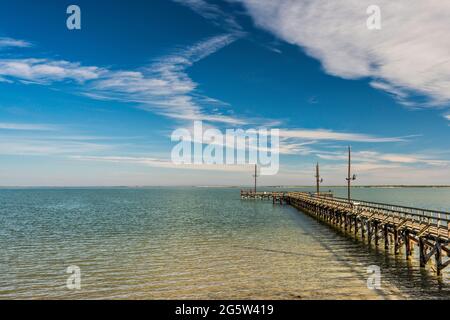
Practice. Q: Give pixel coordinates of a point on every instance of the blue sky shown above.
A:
(97, 106)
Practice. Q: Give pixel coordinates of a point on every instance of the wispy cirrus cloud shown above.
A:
(378, 158)
(408, 57)
(164, 87)
(13, 43)
(310, 141)
(213, 13)
(162, 163)
(27, 126)
(322, 134)
(44, 146)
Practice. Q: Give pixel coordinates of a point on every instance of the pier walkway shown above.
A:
(397, 227)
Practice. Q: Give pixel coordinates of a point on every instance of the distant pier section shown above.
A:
(276, 197)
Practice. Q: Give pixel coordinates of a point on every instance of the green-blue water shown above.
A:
(150, 243)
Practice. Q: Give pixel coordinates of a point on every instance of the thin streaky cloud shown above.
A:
(46, 147)
(13, 43)
(322, 134)
(373, 157)
(212, 13)
(162, 163)
(27, 126)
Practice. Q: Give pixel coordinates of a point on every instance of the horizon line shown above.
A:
(233, 186)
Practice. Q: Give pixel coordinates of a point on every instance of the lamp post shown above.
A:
(349, 178)
(255, 176)
(319, 180)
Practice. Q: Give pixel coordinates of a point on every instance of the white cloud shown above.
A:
(45, 71)
(26, 126)
(409, 55)
(13, 43)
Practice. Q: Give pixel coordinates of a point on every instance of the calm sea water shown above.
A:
(189, 243)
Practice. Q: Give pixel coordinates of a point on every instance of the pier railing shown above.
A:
(434, 219)
(421, 215)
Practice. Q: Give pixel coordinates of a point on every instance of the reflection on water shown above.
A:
(189, 243)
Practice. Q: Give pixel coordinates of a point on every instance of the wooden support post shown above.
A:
(407, 244)
(356, 226)
(422, 252)
(362, 229)
(369, 231)
(377, 238)
(396, 241)
(438, 257)
(386, 237)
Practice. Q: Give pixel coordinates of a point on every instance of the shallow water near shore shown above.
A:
(196, 243)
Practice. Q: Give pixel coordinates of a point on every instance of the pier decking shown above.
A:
(396, 226)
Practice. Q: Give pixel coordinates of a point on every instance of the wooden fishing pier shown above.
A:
(397, 227)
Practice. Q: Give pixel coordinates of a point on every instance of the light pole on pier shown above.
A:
(349, 178)
(255, 175)
(319, 180)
